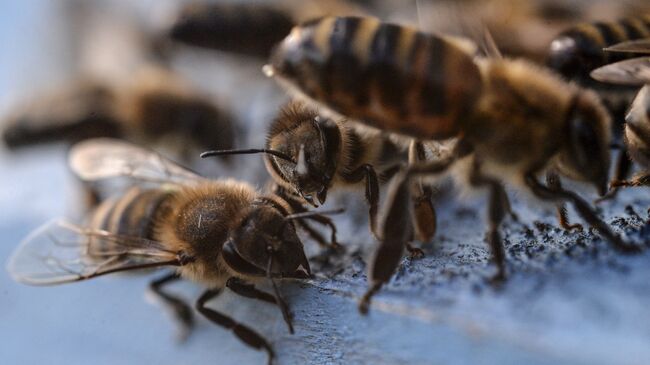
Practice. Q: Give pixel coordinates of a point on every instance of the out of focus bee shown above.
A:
(155, 106)
(520, 28)
(634, 72)
(214, 232)
(513, 120)
(248, 28)
(309, 154)
(579, 50)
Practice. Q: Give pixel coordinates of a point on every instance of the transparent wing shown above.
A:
(104, 158)
(636, 46)
(61, 252)
(629, 72)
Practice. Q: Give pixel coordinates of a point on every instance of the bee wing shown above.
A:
(104, 158)
(61, 252)
(636, 46)
(629, 72)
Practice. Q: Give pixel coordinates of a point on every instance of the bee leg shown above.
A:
(245, 334)
(250, 291)
(423, 210)
(182, 311)
(372, 191)
(554, 183)
(297, 207)
(582, 208)
(326, 221)
(396, 231)
(496, 212)
(623, 166)
(638, 180)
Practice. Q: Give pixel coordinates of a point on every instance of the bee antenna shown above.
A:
(276, 293)
(248, 152)
(313, 213)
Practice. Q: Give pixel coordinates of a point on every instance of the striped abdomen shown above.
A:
(132, 214)
(388, 76)
(579, 50)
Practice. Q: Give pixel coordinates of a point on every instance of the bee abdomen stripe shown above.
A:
(341, 72)
(384, 69)
(433, 96)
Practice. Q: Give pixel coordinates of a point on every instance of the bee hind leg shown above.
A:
(245, 334)
(396, 231)
(181, 310)
(583, 208)
(496, 212)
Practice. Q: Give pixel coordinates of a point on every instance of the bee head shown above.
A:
(312, 142)
(585, 155)
(265, 238)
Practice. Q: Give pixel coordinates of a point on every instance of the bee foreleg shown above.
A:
(622, 170)
(372, 191)
(248, 290)
(638, 180)
(297, 207)
(182, 311)
(582, 208)
(496, 212)
(396, 231)
(554, 183)
(245, 334)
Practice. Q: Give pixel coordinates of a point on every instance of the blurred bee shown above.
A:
(248, 28)
(310, 155)
(634, 72)
(214, 232)
(155, 106)
(579, 50)
(513, 120)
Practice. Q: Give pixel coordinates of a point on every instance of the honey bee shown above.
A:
(155, 105)
(214, 232)
(513, 120)
(579, 50)
(309, 154)
(634, 72)
(248, 29)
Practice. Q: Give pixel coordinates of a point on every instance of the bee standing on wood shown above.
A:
(514, 120)
(214, 232)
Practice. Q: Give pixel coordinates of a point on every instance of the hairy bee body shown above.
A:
(195, 220)
(579, 50)
(391, 77)
(429, 88)
(513, 120)
(346, 149)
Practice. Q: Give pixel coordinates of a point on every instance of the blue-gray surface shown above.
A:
(570, 299)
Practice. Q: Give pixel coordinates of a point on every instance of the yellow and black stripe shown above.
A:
(390, 76)
(579, 50)
(133, 214)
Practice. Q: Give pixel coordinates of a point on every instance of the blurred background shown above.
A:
(570, 300)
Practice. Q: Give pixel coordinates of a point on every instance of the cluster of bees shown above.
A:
(373, 103)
